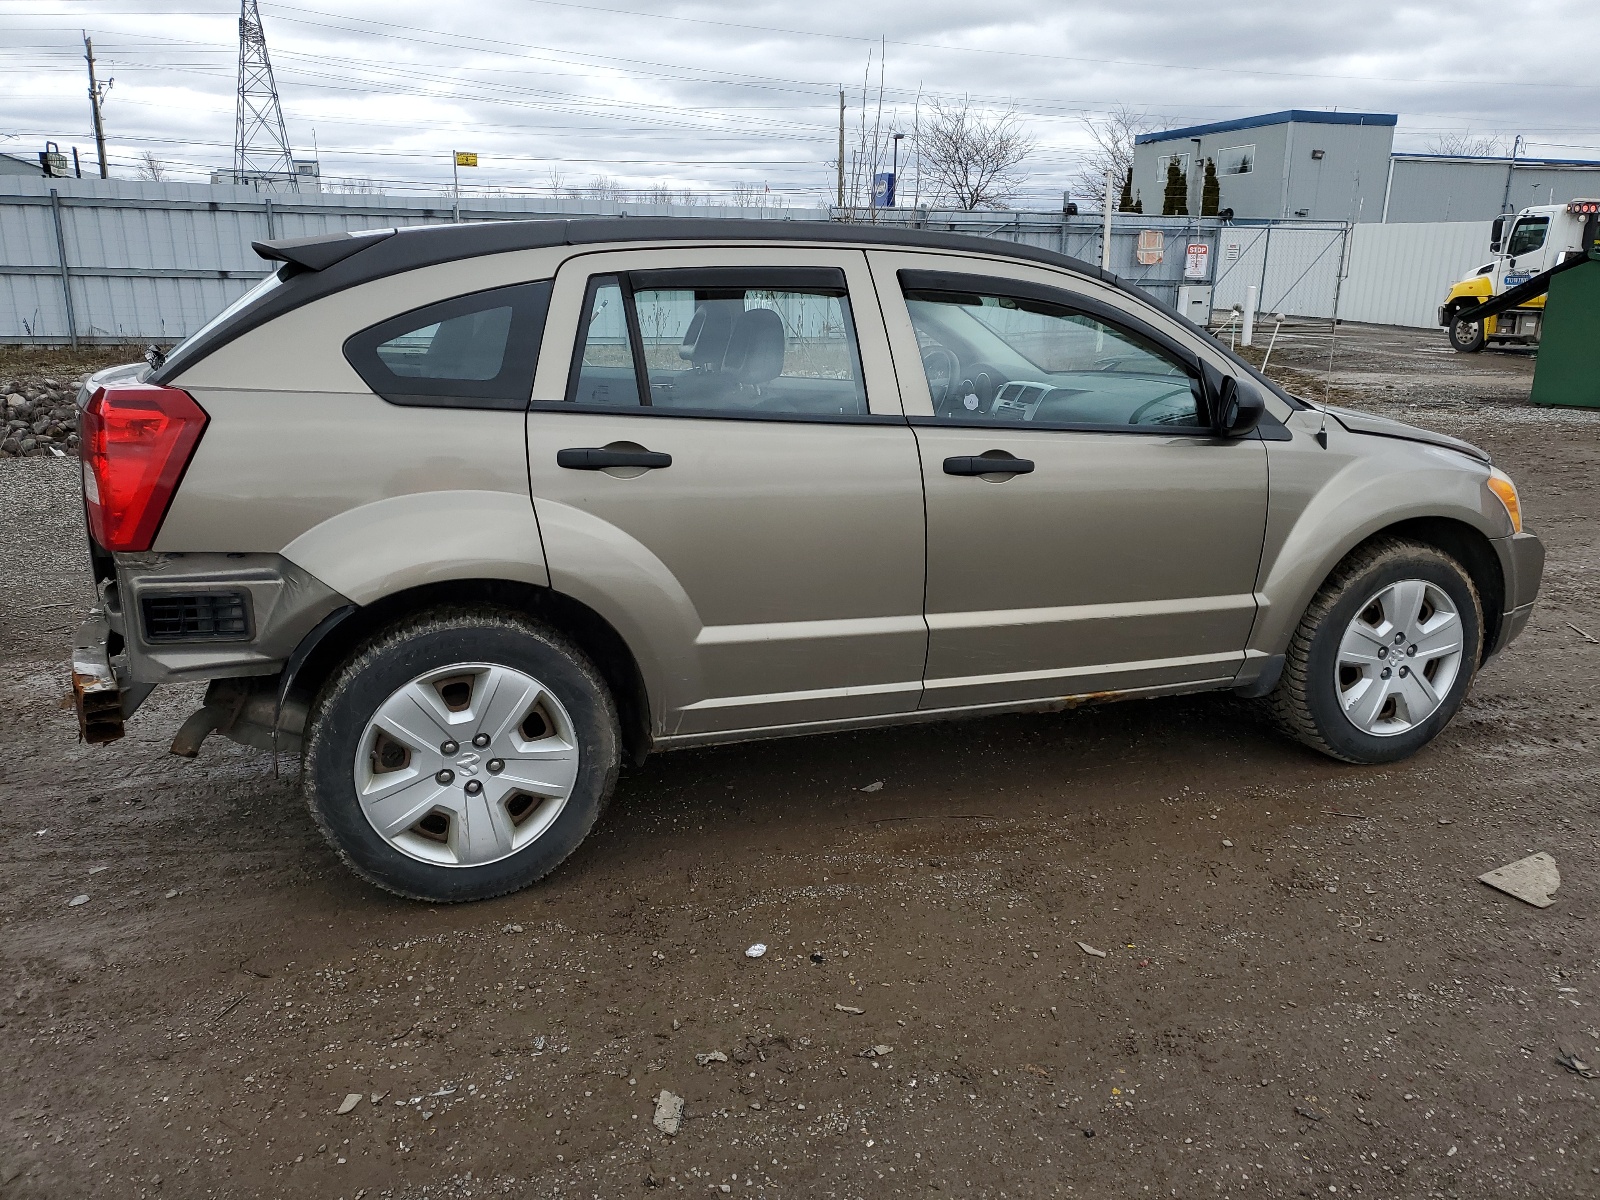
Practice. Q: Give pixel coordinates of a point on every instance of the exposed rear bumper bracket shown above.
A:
(96, 694)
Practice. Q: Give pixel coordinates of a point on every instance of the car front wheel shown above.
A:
(1384, 655)
(461, 755)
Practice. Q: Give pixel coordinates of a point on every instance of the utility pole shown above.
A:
(1511, 168)
(1105, 224)
(840, 148)
(97, 93)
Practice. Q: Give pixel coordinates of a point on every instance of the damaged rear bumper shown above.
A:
(96, 693)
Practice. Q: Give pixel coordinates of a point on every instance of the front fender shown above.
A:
(1468, 292)
(1326, 502)
(387, 546)
(1476, 289)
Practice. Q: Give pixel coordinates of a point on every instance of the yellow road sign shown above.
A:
(466, 158)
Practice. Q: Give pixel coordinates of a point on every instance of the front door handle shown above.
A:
(977, 464)
(598, 458)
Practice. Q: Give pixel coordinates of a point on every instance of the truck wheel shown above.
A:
(1384, 655)
(1466, 336)
(460, 755)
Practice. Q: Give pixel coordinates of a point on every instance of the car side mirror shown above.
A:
(1496, 231)
(1239, 408)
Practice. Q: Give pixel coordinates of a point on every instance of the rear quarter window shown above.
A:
(479, 350)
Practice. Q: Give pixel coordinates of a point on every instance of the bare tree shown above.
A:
(151, 167)
(352, 185)
(1112, 150)
(555, 179)
(867, 155)
(972, 159)
(601, 187)
(1466, 145)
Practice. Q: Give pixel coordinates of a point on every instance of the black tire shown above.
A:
(1306, 702)
(388, 662)
(1466, 336)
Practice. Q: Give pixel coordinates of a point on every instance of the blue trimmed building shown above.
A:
(1321, 166)
(1341, 166)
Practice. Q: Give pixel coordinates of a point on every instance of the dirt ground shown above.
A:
(1305, 991)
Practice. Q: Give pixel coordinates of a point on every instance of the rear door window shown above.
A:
(606, 370)
(472, 351)
(764, 342)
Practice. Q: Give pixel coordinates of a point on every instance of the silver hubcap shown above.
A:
(1399, 658)
(466, 765)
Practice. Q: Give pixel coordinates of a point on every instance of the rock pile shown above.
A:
(41, 417)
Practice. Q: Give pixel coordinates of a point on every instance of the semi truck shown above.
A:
(1523, 246)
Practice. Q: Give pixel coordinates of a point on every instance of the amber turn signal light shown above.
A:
(1500, 484)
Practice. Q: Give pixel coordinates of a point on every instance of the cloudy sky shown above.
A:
(715, 95)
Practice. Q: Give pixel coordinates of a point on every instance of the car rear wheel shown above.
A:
(1384, 655)
(1466, 336)
(461, 755)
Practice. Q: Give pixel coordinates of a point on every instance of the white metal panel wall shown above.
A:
(1400, 274)
(157, 260)
(1394, 274)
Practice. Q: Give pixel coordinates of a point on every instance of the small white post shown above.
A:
(1105, 228)
(1249, 316)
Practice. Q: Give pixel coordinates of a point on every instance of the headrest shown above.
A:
(705, 342)
(755, 352)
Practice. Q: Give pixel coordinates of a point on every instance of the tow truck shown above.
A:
(1538, 239)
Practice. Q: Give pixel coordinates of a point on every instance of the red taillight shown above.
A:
(135, 442)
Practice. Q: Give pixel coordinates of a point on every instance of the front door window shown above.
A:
(1528, 236)
(1008, 361)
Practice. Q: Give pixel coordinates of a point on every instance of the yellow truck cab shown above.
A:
(1538, 238)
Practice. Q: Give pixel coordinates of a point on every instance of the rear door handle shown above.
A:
(974, 464)
(597, 458)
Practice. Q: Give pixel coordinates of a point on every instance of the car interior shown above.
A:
(741, 350)
(995, 360)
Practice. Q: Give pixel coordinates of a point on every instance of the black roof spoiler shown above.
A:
(320, 252)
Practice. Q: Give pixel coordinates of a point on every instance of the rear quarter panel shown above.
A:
(301, 458)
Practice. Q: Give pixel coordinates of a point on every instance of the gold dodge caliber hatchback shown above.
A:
(467, 515)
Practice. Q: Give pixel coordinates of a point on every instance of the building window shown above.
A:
(1236, 160)
(1162, 163)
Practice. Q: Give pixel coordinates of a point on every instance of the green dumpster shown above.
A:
(1568, 372)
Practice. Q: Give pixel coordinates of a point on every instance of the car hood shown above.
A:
(1360, 422)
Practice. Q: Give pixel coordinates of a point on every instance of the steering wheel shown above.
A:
(941, 367)
(981, 380)
(1149, 404)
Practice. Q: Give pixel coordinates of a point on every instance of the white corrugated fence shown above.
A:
(124, 261)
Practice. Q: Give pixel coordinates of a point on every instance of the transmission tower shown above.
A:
(261, 152)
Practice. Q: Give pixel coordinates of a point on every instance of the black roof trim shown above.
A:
(320, 266)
